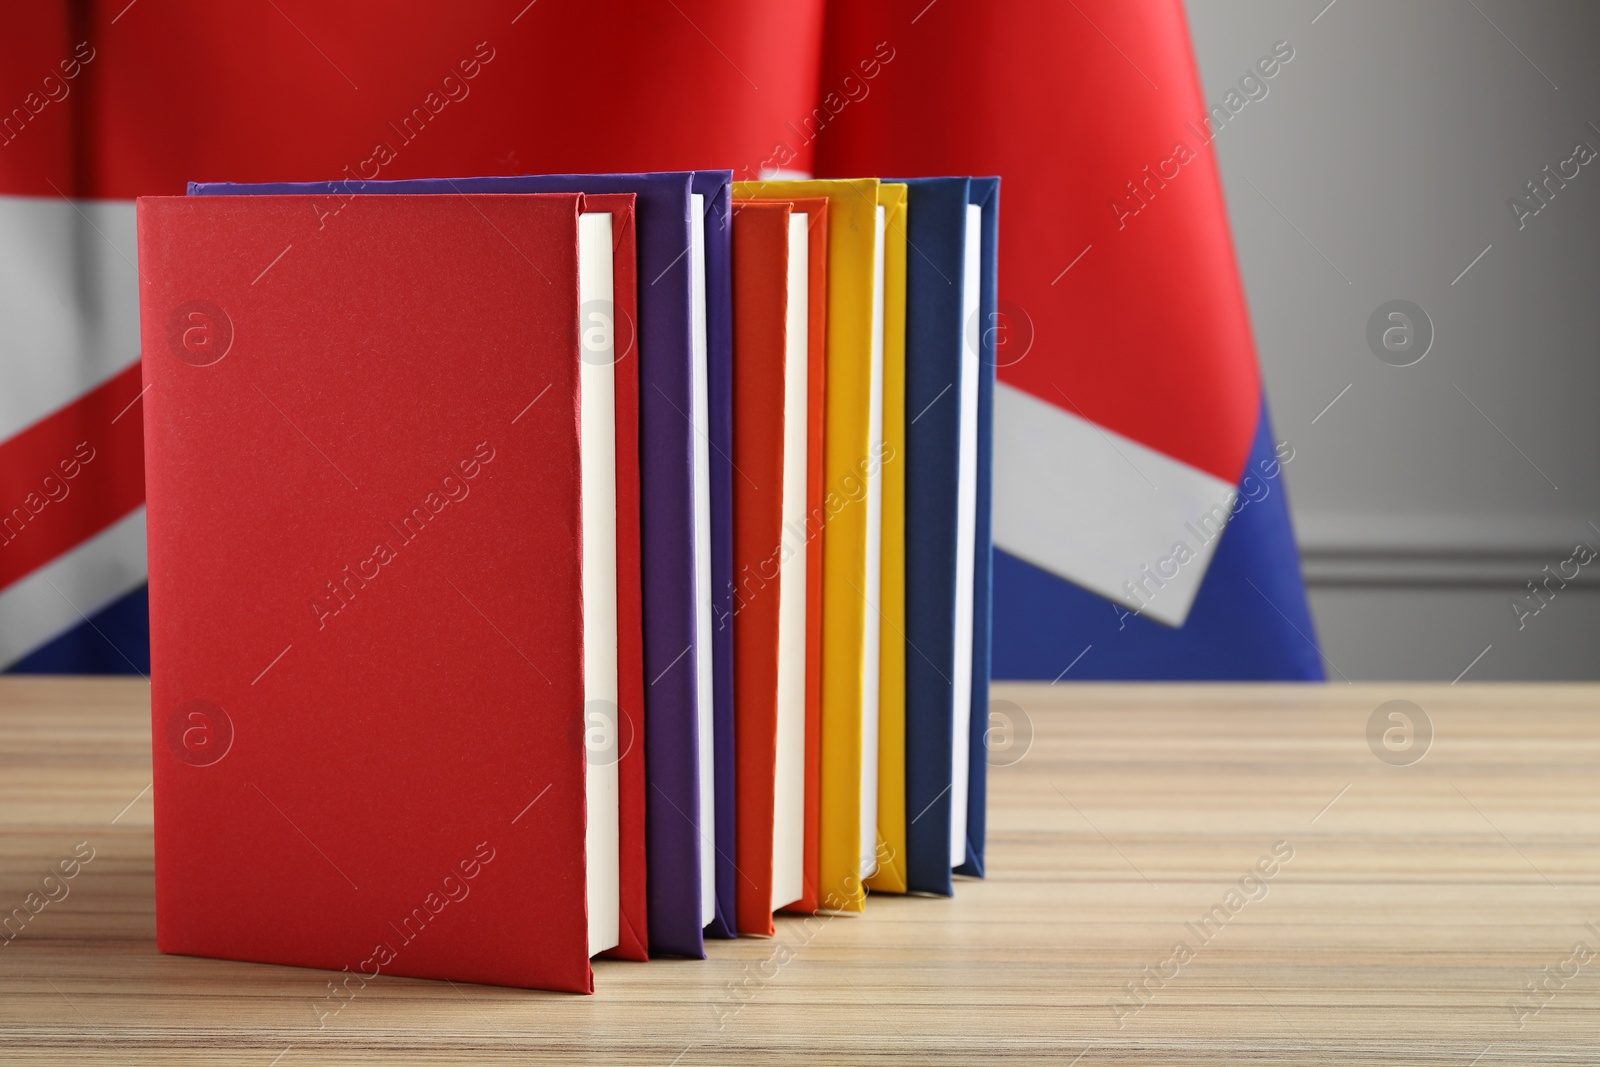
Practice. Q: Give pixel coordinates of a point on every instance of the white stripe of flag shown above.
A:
(1102, 510)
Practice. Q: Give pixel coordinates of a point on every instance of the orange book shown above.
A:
(816, 211)
(760, 340)
(780, 291)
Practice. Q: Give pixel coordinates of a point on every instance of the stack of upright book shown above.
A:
(544, 568)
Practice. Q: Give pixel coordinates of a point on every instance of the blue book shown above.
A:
(673, 336)
(950, 288)
(983, 194)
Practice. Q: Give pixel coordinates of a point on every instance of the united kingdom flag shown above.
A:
(1140, 515)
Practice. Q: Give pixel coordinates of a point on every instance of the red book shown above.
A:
(616, 337)
(366, 484)
(780, 301)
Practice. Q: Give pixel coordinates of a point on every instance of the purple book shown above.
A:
(665, 227)
(716, 186)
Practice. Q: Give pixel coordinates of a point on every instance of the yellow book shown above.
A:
(891, 830)
(849, 470)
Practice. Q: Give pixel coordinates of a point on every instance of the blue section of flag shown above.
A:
(1249, 622)
(116, 640)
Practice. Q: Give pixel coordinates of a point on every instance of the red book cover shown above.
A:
(364, 516)
(760, 297)
(628, 742)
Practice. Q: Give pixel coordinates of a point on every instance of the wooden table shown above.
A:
(1419, 902)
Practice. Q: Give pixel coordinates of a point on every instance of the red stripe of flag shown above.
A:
(70, 475)
(301, 90)
(41, 110)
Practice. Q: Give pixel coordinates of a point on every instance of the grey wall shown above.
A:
(1378, 167)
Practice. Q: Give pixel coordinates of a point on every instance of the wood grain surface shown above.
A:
(1409, 908)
